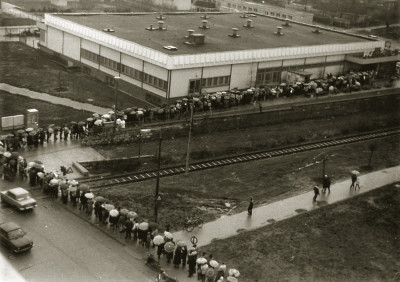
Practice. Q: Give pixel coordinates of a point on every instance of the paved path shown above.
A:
(228, 226)
(53, 99)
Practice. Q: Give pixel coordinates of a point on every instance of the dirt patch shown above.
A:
(338, 242)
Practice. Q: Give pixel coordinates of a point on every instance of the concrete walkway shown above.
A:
(228, 226)
(53, 99)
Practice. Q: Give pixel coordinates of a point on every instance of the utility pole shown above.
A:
(140, 141)
(189, 137)
(158, 179)
(323, 166)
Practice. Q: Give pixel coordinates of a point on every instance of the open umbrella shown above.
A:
(84, 188)
(123, 211)
(144, 226)
(231, 279)
(32, 133)
(72, 188)
(81, 123)
(153, 225)
(355, 172)
(168, 234)
(106, 116)
(89, 119)
(21, 131)
(201, 261)
(89, 195)
(98, 122)
(63, 186)
(158, 240)
(54, 181)
(213, 263)
(181, 244)
(169, 247)
(108, 207)
(7, 154)
(100, 199)
(210, 272)
(73, 182)
(132, 214)
(234, 272)
(14, 155)
(114, 213)
(40, 174)
(29, 129)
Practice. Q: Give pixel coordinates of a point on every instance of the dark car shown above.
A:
(13, 237)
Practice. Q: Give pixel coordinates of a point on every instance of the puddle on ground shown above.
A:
(322, 203)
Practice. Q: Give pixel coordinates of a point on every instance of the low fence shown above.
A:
(16, 30)
(115, 165)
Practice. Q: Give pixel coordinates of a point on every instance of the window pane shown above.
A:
(221, 80)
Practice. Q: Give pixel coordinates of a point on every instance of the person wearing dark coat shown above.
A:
(316, 193)
(177, 257)
(160, 250)
(128, 228)
(192, 262)
(184, 256)
(326, 184)
(250, 208)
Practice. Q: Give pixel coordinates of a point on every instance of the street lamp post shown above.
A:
(189, 137)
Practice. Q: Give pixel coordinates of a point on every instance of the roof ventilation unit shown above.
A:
(244, 15)
(316, 30)
(196, 39)
(279, 31)
(205, 25)
(205, 16)
(234, 33)
(161, 25)
(161, 17)
(108, 30)
(249, 23)
(190, 33)
(151, 28)
(287, 23)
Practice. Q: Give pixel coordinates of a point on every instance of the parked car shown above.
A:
(13, 237)
(18, 198)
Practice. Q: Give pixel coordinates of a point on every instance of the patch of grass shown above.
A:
(6, 20)
(354, 240)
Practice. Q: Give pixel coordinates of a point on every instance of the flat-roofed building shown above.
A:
(162, 57)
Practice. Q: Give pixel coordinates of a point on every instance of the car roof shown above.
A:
(9, 226)
(18, 191)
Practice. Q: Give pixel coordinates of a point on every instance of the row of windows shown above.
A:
(195, 84)
(131, 72)
(250, 9)
(272, 77)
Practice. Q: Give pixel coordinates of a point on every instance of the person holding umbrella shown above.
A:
(184, 255)
(128, 228)
(169, 250)
(192, 262)
(354, 177)
(177, 257)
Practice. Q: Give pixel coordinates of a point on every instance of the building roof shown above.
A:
(132, 27)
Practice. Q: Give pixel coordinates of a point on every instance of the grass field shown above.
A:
(6, 20)
(354, 240)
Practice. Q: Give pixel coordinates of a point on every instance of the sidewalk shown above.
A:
(228, 226)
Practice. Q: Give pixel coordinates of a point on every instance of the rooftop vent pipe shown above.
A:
(161, 25)
(244, 15)
(234, 33)
(205, 16)
(205, 25)
(151, 28)
(190, 33)
(160, 17)
(249, 23)
(279, 31)
(287, 22)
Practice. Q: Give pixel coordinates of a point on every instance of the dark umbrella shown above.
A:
(21, 131)
(57, 127)
(63, 186)
(14, 155)
(32, 133)
(84, 188)
(169, 247)
(153, 225)
(81, 123)
(100, 199)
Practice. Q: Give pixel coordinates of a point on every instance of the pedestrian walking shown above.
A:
(353, 180)
(316, 193)
(177, 257)
(326, 184)
(250, 208)
(184, 256)
(160, 250)
(192, 262)
(357, 184)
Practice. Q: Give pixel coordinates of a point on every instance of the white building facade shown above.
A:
(160, 77)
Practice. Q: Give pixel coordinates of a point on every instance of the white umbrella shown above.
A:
(355, 172)
(158, 240)
(201, 261)
(89, 195)
(54, 181)
(144, 226)
(168, 234)
(7, 154)
(114, 213)
(234, 272)
(73, 182)
(29, 129)
(231, 279)
(98, 122)
(214, 263)
(106, 116)
(108, 207)
(40, 174)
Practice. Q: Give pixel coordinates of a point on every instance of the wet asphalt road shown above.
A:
(68, 248)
